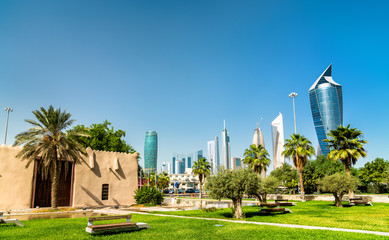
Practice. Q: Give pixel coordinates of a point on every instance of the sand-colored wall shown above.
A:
(15, 180)
(100, 168)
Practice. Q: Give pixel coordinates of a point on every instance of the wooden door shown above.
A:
(42, 195)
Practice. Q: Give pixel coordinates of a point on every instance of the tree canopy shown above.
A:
(233, 184)
(338, 184)
(102, 136)
(375, 172)
(48, 143)
(319, 168)
(286, 174)
(257, 158)
(201, 168)
(346, 145)
(299, 149)
(266, 186)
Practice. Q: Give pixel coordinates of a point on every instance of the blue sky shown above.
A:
(182, 67)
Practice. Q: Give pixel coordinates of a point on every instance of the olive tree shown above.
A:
(338, 184)
(266, 186)
(233, 184)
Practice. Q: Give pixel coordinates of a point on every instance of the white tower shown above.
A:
(213, 154)
(258, 140)
(226, 149)
(277, 128)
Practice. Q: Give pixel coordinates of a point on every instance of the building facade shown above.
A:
(277, 128)
(185, 181)
(151, 151)
(236, 163)
(326, 100)
(226, 149)
(102, 179)
(213, 154)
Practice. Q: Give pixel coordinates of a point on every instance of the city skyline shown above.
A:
(182, 68)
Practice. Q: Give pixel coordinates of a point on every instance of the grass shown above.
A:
(312, 213)
(167, 228)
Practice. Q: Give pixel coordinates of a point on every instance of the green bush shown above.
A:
(148, 195)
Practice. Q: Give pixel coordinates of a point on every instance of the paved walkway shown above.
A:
(118, 211)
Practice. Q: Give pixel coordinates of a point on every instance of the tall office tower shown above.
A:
(326, 100)
(174, 159)
(213, 154)
(277, 129)
(189, 158)
(258, 140)
(236, 163)
(182, 165)
(226, 149)
(198, 155)
(151, 150)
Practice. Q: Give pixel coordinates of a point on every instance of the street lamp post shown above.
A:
(7, 109)
(293, 95)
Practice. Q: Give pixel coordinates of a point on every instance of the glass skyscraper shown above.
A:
(151, 150)
(326, 100)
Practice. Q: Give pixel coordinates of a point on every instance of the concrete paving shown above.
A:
(119, 211)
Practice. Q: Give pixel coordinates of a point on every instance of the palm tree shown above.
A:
(299, 148)
(201, 168)
(346, 145)
(163, 180)
(257, 158)
(48, 144)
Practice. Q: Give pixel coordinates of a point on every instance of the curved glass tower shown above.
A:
(151, 149)
(326, 100)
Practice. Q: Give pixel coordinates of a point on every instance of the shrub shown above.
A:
(148, 195)
(211, 209)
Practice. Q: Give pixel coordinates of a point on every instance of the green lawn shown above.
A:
(167, 228)
(313, 213)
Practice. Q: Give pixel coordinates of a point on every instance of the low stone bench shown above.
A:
(91, 228)
(14, 221)
(272, 208)
(284, 202)
(359, 201)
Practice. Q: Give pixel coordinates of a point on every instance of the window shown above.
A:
(104, 192)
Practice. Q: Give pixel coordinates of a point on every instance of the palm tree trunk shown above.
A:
(54, 187)
(348, 172)
(301, 184)
(201, 192)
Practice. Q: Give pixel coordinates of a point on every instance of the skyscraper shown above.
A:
(182, 165)
(174, 165)
(258, 140)
(326, 100)
(277, 129)
(226, 149)
(151, 150)
(213, 154)
(236, 163)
